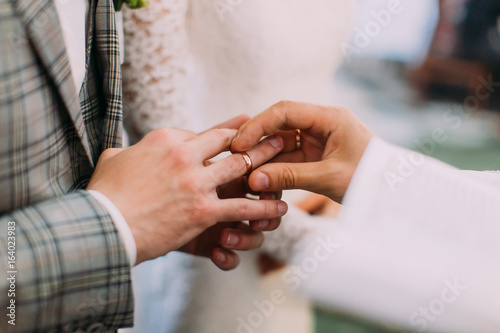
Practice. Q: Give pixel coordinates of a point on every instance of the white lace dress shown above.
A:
(193, 64)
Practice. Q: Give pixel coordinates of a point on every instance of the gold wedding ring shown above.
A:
(248, 161)
(298, 140)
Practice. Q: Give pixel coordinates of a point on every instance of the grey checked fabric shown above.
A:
(72, 269)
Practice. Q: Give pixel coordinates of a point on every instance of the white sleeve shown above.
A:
(155, 72)
(120, 223)
(417, 246)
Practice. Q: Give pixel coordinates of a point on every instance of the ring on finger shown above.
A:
(298, 140)
(248, 161)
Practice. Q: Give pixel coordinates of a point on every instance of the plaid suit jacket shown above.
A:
(72, 271)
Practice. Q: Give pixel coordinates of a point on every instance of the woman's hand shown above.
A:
(333, 141)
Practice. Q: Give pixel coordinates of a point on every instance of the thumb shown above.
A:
(316, 177)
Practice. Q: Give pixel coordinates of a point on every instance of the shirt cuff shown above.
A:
(120, 223)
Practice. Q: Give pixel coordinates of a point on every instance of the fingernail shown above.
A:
(263, 224)
(282, 208)
(276, 141)
(221, 257)
(237, 137)
(261, 181)
(232, 239)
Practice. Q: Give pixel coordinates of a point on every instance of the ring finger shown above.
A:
(234, 166)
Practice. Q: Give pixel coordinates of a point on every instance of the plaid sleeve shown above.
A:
(72, 270)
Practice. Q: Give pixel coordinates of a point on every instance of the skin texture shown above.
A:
(333, 142)
(173, 199)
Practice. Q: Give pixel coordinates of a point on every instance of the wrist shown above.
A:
(121, 225)
(141, 253)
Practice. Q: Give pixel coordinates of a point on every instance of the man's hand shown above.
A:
(220, 241)
(333, 141)
(168, 194)
(240, 188)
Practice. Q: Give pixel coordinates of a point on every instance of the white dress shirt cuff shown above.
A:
(120, 223)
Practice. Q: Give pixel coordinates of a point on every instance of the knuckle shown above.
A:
(202, 209)
(278, 111)
(288, 178)
(225, 134)
(244, 116)
(159, 136)
(189, 134)
(190, 184)
(281, 105)
(339, 110)
(342, 109)
(180, 155)
(244, 209)
(267, 209)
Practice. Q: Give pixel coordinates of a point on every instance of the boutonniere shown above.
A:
(133, 4)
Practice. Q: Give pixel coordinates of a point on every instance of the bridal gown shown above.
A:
(194, 64)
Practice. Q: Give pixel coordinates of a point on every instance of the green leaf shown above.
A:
(132, 4)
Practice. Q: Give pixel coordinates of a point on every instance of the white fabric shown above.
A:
(262, 52)
(72, 16)
(401, 244)
(190, 64)
(120, 223)
(155, 74)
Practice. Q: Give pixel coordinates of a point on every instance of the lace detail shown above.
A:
(155, 75)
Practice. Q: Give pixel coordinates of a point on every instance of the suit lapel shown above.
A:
(44, 31)
(108, 49)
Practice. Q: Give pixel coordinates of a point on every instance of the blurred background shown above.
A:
(434, 65)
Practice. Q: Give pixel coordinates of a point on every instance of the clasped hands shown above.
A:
(173, 199)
